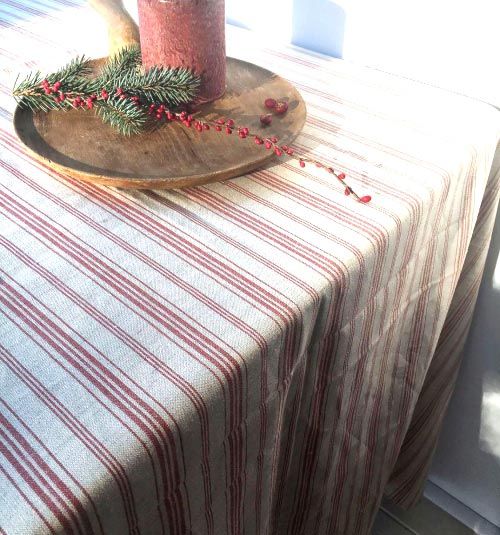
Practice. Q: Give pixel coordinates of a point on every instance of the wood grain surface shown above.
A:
(78, 143)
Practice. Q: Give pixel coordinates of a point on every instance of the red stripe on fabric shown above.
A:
(234, 423)
(67, 502)
(303, 222)
(24, 468)
(237, 214)
(235, 418)
(311, 442)
(462, 310)
(88, 259)
(282, 452)
(334, 516)
(236, 276)
(118, 393)
(458, 264)
(80, 431)
(53, 459)
(234, 243)
(26, 8)
(378, 271)
(140, 350)
(15, 484)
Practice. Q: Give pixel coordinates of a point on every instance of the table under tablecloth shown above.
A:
(259, 356)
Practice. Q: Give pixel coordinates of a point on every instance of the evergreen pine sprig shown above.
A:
(122, 114)
(126, 59)
(170, 86)
(119, 93)
(32, 93)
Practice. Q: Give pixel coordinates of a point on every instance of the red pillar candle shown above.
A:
(186, 33)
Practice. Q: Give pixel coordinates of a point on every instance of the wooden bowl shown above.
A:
(78, 143)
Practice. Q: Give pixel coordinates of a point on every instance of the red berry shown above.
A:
(199, 127)
(258, 141)
(119, 91)
(280, 107)
(341, 176)
(90, 104)
(57, 99)
(158, 115)
(290, 151)
(123, 96)
(45, 83)
(284, 147)
(228, 130)
(230, 122)
(218, 128)
(221, 121)
(270, 103)
(48, 91)
(62, 96)
(347, 191)
(206, 126)
(266, 119)
(302, 163)
(277, 151)
(242, 134)
(104, 94)
(366, 199)
(274, 140)
(245, 130)
(268, 144)
(170, 116)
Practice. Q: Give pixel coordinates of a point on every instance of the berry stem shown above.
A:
(270, 143)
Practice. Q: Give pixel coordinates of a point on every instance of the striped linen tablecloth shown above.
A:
(260, 356)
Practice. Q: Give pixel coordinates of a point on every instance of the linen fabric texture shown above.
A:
(259, 356)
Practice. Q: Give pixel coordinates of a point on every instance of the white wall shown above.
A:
(447, 43)
(454, 45)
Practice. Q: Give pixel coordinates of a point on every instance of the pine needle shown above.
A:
(110, 92)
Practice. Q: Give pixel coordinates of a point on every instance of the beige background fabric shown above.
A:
(254, 356)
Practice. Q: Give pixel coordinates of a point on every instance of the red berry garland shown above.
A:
(270, 143)
(281, 107)
(266, 119)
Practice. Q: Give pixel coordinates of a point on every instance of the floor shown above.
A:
(424, 519)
